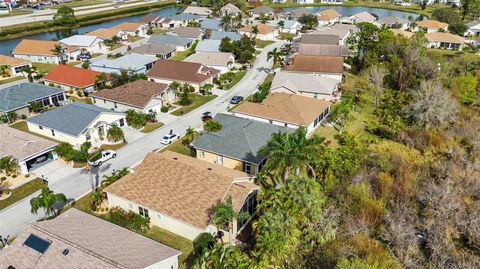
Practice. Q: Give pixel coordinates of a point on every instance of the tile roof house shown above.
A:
(79, 240)
(76, 123)
(71, 78)
(218, 60)
(288, 110)
(237, 143)
(41, 51)
(350, 27)
(161, 51)
(329, 66)
(167, 71)
(183, 19)
(24, 147)
(473, 28)
(230, 9)
(181, 43)
(265, 31)
(394, 22)
(362, 17)
(201, 11)
(218, 35)
(17, 98)
(444, 40)
(309, 85)
(328, 16)
(107, 33)
(188, 32)
(318, 39)
(211, 24)
(132, 62)
(186, 189)
(321, 50)
(289, 26)
(140, 95)
(208, 45)
(431, 26)
(132, 28)
(14, 65)
(88, 43)
(401, 32)
(295, 13)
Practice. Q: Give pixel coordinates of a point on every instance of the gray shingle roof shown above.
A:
(18, 96)
(220, 35)
(170, 40)
(208, 45)
(392, 20)
(153, 49)
(71, 119)
(211, 24)
(473, 23)
(185, 17)
(239, 138)
(133, 62)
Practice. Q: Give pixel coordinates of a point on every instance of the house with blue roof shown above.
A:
(76, 123)
(211, 24)
(134, 62)
(183, 19)
(208, 45)
(289, 26)
(18, 98)
(179, 42)
(218, 35)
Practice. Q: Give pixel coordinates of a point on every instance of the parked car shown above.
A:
(102, 157)
(84, 56)
(206, 116)
(169, 138)
(236, 99)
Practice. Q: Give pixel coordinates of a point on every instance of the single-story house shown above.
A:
(328, 17)
(358, 18)
(181, 43)
(17, 98)
(76, 123)
(218, 60)
(185, 192)
(350, 27)
(403, 33)
(107, 33)
(41, 51)
(261, 10)
(230, 9)
(218, 35)
(168, 71)
(71, 78)
(289, 26)
(342, 34)
(85, 43)
(308, 85)
(183, 19)
(168, 23)
(188, 32)
(394, 22)
(321, 50)
(132, 28)
(29, 150)
(150, 20)
(211, 24)
(76, 239)
(333, 2)
(133, 62)
(237, 144)
(140, 95)
(430, 26)
(288, 110)
(208, 45)
(14, 65)
(265, 31)
(444, 40)
(328, 66)
(161, 51)
(325, 39)
(473, 28)
(303, 2)
(201, 11)
(295, 13)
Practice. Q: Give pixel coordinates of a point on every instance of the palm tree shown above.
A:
(276, 55)
(4, 71)
(238, 20)
(46, 200)
(36, 106)
(115, 39)
(29, 70)
(281, 24)
(175, 86)
(226, 22)
(9, 165)
(115, 133)
(206, 89)
(100, 79)
(224, 214)
(255, 31)
(190, 134)
(58, 50)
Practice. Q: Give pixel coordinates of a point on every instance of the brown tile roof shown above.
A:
(328, 14)
(127, 26)
(72, 76)
(284, 107)
(104, 33)
(11, 61)
(181, 71)
(35, 47)
(316, 64)
(444, 37)
(91, 243)
(322, 50)
(21, 145)
(182, 187)
(433, 24)
(137, 93)
(262, 28)
(401, 32)
(320, 39)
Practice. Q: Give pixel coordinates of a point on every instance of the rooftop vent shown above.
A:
(175, 158)
(65, 252)
(210, 169)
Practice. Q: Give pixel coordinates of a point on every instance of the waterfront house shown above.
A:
(230, 9)
(359, 17)
(85, 43)
(71, 78)
(328, 17)
(217, 60)
(430, 26)
(394, 22)
(295, 13)
(161, 51)
(261, 10)
(183, 19)
(150, 20)
(107, 33)
(305, 84)
(132, 28)
(444, 40)
(42, 51)
(219, 35)
(473, 28)
(133, 62)
(265, 31)
(201, 11)
(14, 65)
(180, 43)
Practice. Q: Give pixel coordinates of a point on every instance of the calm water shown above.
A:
(7, 46)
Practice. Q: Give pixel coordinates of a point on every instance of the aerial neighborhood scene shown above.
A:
(162, 134)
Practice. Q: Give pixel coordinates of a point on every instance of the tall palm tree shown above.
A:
(276, 55)
(29, 70)
(115, 133)
(226, 22)
(58, 50)
(281, 24)
(36, 106)
(254, 31)
(9, 165)
(224, 214)
(190, 134)
(175, 86)
(46, 200)
(99, 80)
(238, 20)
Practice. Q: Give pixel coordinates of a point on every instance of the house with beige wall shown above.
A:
(184, 193)
(14, 65)
(305, 84)
(237, 144)
(76, 123)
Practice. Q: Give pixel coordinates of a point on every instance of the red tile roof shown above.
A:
(72, 76)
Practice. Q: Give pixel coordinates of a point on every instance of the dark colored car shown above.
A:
(206, 116)
(84, 56)
(236, 99)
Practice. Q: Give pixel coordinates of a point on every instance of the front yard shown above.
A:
(150, 127)
(236, 78)
(12, 79)
(197, 101)
(22, 192)
(263, 43)
(180, 147)
(44, 68)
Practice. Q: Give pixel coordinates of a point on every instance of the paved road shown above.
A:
(74, 183)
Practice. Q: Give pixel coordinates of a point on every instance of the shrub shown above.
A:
(201, 242)
(51, 84)
(164, 109)
(23, 117)
(129, 220)
(212, 126)
(3, 178)
(136, 119)
(115, 133)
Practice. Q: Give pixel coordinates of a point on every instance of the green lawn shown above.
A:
(160, 31)
(150, 127)
(22, 192)
(44, 67)
(198, 100)
(73, 63)
(179, 147)
(22, 126)
(238, 76)
(116, 46)
(135, 38)
(96, 54)
(86, 100)
(82, 3)
(286, 36)
(16, 12)
(113, 147)
(12, 79)
(181, 55)
(263, 43)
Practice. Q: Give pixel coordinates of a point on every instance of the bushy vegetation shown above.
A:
(129, 220)
(261, 94)
(138, 120)
(69, 154)
(212, 126)
(242, 49)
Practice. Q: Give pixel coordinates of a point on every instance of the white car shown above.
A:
(103, 157)
(167, 139)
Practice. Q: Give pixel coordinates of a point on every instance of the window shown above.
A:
(285, 124)
(121, 122)
(219, 159)
(270, 121)
(104, 101)
(143, 212)
(60, 97)
(115, 104)
(202, 154)
(159, 217)
(247, 168)
(40, 127)
(53, 132)
(315, 95)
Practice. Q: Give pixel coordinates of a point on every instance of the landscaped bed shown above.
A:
(22, 192)
(197, 101)
(180, 147)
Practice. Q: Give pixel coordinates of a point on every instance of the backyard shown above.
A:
(197, 101)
